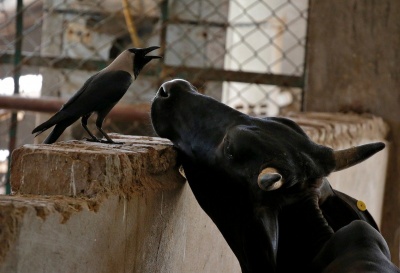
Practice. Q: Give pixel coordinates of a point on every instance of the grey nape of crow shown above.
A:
(98, 94)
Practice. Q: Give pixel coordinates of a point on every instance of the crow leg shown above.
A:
(84, 122)
(99, 124)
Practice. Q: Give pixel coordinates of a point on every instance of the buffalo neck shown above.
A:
(303, 231)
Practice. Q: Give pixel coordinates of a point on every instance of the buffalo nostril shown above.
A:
(162, 92)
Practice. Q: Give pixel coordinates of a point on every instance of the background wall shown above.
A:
(353, 65)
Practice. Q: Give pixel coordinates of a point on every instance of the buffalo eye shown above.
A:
(228, 149)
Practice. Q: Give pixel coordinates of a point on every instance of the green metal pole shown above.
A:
(17, 73)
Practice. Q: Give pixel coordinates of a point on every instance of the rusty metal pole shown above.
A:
(17, 73)
(121, 112)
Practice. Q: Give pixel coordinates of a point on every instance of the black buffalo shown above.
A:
(262, 181)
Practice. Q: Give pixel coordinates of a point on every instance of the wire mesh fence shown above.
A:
(247, 53)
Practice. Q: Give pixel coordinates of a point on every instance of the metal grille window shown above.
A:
(247, 53)
(265, 37)
(66, 40)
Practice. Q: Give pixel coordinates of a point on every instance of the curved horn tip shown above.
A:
(352, 156)
(379, 146)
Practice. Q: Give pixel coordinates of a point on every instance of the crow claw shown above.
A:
(91, 139)
(110, 142)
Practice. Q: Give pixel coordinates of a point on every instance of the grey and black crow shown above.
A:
(99, 94)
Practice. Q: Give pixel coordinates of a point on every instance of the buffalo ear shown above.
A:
(289, 123)
(352, 156)
(269, 179)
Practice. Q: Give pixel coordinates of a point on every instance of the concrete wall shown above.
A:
(90, 207)
(162, 231)
(353, 65)
(87, 207)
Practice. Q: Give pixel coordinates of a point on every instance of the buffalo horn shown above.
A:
(269, 179)
(352, 156)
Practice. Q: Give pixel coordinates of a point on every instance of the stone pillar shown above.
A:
(353, 65)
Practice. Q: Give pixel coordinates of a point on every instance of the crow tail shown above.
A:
(59, 117)
(46, 125)
(58, 129)
(56, 133)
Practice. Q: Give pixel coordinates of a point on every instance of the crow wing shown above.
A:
(62, 115)
(101, 91)
(105, 90)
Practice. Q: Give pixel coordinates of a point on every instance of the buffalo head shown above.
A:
(243, 169)
(268, 153)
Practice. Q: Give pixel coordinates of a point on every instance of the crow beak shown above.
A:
(140, 59)
(150, 49)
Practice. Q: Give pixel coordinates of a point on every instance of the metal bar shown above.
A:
(212, 74)
(17, 72)
(204, 74)
(121, 112)
(198, 23)
(56, 62)
(305, 62)
(163, 36)
(67, 63)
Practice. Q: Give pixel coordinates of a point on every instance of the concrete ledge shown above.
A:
(339, 131)
(81, 168)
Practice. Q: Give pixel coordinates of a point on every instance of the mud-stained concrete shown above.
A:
(162, 231)
(89, 207)
(80, 168)
(10, 223)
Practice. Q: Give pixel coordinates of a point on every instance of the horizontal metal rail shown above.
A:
(120, 112)
(54, 62)
(212, 74)
(189, 73)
